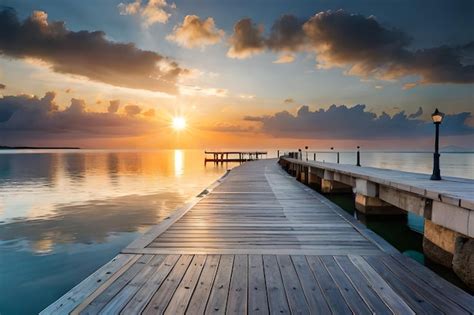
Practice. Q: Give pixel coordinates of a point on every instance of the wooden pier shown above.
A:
(259, 242)
(233, 156)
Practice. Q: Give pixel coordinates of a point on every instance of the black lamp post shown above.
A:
(306, 148)
(437, 118)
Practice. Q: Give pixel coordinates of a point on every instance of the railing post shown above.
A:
(358, 156)
(315, 156)
(337, 157)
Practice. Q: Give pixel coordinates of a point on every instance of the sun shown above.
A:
(178, 123)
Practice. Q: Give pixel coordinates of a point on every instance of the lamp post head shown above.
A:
(306, 147)
(332, 148)
(358, 147)
(437, 116)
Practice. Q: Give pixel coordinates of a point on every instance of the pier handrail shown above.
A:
(453, 196)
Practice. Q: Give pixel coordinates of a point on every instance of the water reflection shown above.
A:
(178, 163)
(91, 222)
(65, 213)
(113, 168)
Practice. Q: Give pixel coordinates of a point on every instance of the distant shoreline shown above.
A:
(38, 148)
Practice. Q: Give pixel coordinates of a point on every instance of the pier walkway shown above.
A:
(259, 242)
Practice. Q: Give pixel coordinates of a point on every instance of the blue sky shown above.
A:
(428, 24)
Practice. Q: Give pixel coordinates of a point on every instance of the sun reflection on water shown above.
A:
(178, 163)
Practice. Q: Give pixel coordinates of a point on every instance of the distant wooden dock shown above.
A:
(233, 156)
(259, 242)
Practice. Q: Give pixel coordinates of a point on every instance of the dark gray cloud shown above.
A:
(89, 54)
(417, 114)
(247, 39)
(370, 49)
(342, 122)
(23, 117)
(229, 127)
(2, 86)
(287, 34)
(363, 46)
(289, 101)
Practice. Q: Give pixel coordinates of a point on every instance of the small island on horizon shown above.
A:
(3, 147)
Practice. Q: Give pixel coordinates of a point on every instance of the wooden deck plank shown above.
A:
(103, 298)
(315, 298)
(218, 299)
(117, 303)
(350, 294)
(258, 301)
(161, 298)
(237, 301)
(179, 301)
(416, 301)
(363, 287)
(331, 291)
(378, 284)
(292, 285)
(198, 302)
(145, 293)
(277, 301)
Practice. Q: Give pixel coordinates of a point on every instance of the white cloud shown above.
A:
(154, 11)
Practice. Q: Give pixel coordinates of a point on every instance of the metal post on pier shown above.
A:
(337, 154)
(358, 156)
(315, 156)
(437, 118)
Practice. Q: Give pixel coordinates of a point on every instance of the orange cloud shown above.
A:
(286, 58)
(194, 32)
(87, 54)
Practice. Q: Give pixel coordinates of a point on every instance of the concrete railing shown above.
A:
(446, 205)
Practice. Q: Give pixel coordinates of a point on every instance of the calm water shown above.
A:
(63, 214)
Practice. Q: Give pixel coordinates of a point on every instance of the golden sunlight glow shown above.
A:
(178, 123)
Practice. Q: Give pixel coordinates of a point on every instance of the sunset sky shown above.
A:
(242, 74)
